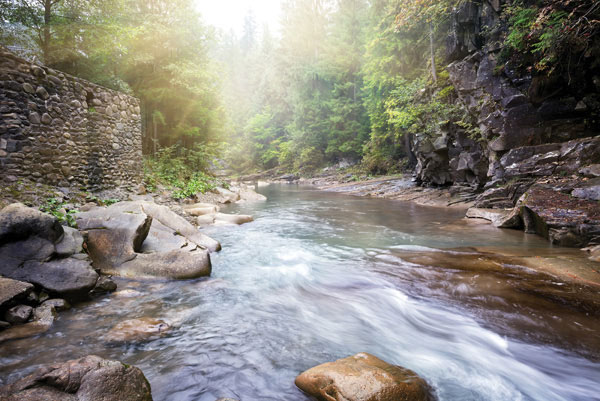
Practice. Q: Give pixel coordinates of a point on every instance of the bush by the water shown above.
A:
(181, 170)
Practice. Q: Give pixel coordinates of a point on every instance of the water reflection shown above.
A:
(321, 276)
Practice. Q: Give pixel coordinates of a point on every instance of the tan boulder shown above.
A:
(222, 218)
(201, 211)
(363, 377)
(137, 330)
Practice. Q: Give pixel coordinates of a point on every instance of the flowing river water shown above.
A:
(319, 276)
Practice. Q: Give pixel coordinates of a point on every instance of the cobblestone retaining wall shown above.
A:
(61, 130)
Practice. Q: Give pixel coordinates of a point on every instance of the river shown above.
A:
(320, 276)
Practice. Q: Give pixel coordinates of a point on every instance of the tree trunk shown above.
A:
(433, 72)
(46, 31)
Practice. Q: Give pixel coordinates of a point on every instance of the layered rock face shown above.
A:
(61, 130)
(533, 128)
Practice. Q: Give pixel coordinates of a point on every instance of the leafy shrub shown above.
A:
(57, 209)
(181, 170)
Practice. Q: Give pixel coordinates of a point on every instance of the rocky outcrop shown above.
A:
(363, 377)
(88, 378)
(143, 239)
(563, 219)
(34, 248)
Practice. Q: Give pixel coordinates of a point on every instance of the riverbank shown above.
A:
(579, 266)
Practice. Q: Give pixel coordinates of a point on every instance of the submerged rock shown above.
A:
(363, 377)
(43, 319)
(89, 378)
(138, 330)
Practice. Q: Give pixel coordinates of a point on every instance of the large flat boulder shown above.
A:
(363, 377)
(501, 218)
(19, 222)
(560, 217)
(113, 236)
(89, 378)
(143, 240)
(172, 220)
(70, 278)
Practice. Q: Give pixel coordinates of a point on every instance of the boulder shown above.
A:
(363, 377)
(89, 378)
(176, 264)
(172, 220)
(113, 236)
(589, 190)
(501, 218)
(141, 239)
(137, 330)
(103, 285)
(11, 291)
(594, 253)
(205, 220)
(227, 196)
(18, 222)
(58, 304)
(559, 217)
(69, 278)
(71, 243)
(18, 314)
(43, 318)
(591, 171)
(222, 218)
(201, 211)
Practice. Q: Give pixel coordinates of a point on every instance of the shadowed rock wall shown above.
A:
(61, 130)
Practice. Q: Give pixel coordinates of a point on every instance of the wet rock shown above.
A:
(559, 217)
(591, 171)
(18, 314)
(138, 330)
(18, 222)
(177, 264)
(222, 218)
(4, 325)
(70, 278)
(363, 377)
(500, 218)
(113, 236)
(12, 291)
(88, 378)
(227, 196)
(590, 190)
(43, 319)
(103, 285)
(116, 238)
(172, 220)
(58, 304)
(201, 211)
(594, 253)
(71, 243)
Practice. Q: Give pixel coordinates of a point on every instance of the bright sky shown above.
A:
(230, 14)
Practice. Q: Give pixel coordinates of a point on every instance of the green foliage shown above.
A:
(547, 33)
(180, 170)
(57, 209)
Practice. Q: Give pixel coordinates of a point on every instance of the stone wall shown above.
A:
(61, 130)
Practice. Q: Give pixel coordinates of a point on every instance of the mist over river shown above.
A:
(319, 276)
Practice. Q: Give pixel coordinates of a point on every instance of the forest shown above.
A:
(341, 80)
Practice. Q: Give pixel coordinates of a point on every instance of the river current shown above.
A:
(319, 276)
